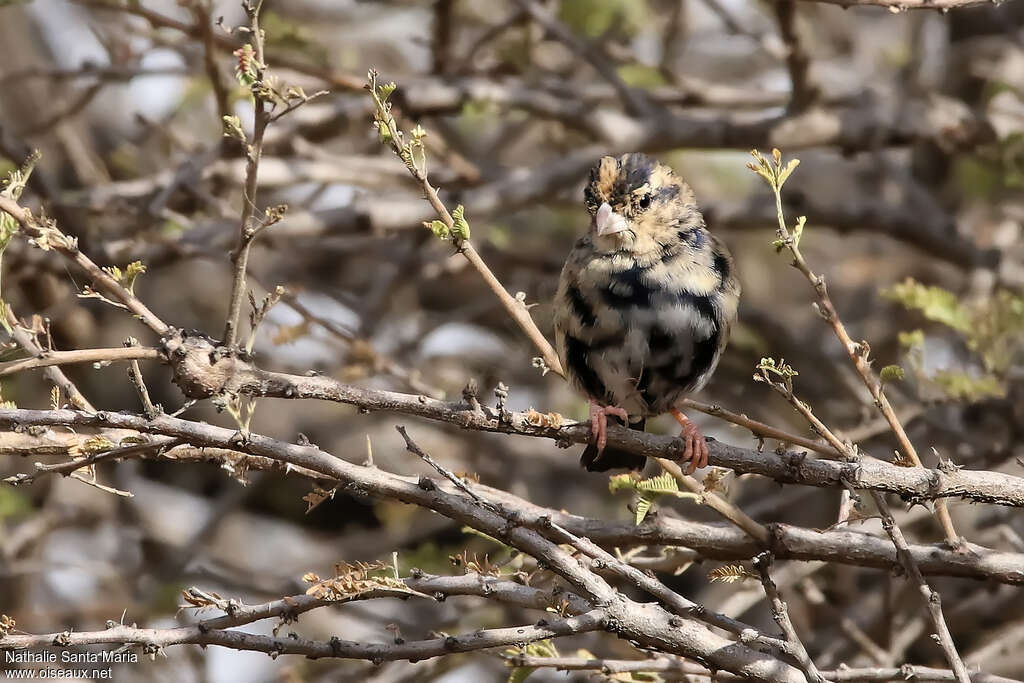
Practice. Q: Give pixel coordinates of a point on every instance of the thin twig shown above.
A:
(67, 468)
(636, 102)
(68, 247)
(718, 503)
(780, 612)
(202, 13)
(153, 640)
(516, 309)
(53, 373)
(760, 428)
(425, 457)
(602, 559)
(77, 105)
(246, 230)
(135, 376)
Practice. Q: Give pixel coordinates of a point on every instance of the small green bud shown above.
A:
(439, 229)
(247, 69)
(891, 373)
(460, 226)
(233, 128)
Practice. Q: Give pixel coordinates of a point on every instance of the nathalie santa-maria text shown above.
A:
(69, 657)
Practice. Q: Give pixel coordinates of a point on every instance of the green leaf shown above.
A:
(520, 674)
(913, 339)
(13, 185)
(649, 490)
(643, 506)
(618, 482)
(965, 387)
(131, 273)
(662, 484)
(892, 373)
(641, 75)
(784, 173)
(935, 303)
(594, 18)
(779, 368)
(14, 504)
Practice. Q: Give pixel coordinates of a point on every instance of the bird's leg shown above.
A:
(696, 450)
(599, 422)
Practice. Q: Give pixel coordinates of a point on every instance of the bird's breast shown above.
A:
(633, 335)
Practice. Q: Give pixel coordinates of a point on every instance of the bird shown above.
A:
(644, 305)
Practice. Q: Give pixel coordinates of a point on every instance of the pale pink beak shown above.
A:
(607, 221)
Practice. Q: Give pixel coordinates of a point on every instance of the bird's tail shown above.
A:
(613, 458)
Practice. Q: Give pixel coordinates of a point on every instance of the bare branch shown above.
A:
(51, 358)
(901, 5)
(215, 631)
(780, 612)
(719, 541)
(247, 231)
(668, 665)
(199, 378)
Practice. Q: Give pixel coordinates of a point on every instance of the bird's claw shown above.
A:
(695, 447)
(599, 423)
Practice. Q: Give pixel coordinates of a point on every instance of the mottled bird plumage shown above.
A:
(642, 315)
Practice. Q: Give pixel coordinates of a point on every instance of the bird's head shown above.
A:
(637, 204)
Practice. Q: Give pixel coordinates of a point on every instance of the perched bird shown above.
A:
(644, 304)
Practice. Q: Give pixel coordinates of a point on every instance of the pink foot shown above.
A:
(599, 423)
(696, 450)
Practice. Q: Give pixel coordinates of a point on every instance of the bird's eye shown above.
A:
(644, 202)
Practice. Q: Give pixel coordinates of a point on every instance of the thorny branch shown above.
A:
(713, 540)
